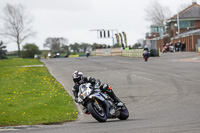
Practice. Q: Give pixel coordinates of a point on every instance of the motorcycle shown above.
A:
(146, 55)
(87, 53)
(100, 105)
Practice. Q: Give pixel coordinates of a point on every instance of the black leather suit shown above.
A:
(93, 81)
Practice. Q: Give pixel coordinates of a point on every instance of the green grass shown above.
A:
(30, 95)
(79, 53)
(19, 62)
(61, 55)
(12, 56)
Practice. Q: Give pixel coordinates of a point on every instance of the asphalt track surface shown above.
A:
(162, 95)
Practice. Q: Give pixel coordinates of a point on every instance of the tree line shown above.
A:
(17, 28)
(55, 45)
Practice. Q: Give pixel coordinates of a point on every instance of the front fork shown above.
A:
(96, 103)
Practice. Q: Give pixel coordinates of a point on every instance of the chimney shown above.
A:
(194, 2)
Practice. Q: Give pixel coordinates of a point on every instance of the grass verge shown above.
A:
(30, 95)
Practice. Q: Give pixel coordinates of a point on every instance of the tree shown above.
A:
(116, 45)
(84, 46)
(55, 43)
(136, 46)
(65, 49)
(17, 25)
(29, 50)
(183, 6)
(75, 47)
(2, 51)
(94, 46)
(157, 14)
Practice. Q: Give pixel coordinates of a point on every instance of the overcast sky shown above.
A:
(73, 19)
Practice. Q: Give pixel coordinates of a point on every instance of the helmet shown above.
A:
(77, 77)
(145, 46)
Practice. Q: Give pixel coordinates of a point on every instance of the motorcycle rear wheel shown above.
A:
(98, 115)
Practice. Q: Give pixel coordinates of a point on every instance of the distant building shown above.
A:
(184, 26)
(156, 31)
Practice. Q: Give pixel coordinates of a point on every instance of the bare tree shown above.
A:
(55, 43)
(17, 26)
(183, 6)
(157, 14)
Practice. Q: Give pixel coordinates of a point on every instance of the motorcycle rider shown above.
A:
(79, 79)
(145, 49)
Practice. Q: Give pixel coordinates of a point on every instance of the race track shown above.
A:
(162, 95)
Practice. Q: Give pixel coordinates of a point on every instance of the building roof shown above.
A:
(192, 11)
(160, 37)
(157, 25)
(191, 32)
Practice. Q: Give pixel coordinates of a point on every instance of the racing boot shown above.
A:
(85, 111)
(120, 104)
(115, 98)
(106, 88)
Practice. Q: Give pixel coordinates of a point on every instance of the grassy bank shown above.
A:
(30, 95)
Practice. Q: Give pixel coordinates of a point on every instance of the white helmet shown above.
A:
(77, 77)
(145, 46)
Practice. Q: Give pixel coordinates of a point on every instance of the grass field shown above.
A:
(12, 56)
(62, 55)
(30, 95)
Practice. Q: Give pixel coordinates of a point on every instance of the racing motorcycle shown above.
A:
(146, 55)
(100, 105)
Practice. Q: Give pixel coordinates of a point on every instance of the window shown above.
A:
(172, 26)
(191, 23)
(154, 30)
(185, 24)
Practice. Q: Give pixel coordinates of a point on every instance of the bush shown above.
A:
(2, 51)
(44, 54)
(29, 50)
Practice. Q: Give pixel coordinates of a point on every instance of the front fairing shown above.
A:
(84, 91)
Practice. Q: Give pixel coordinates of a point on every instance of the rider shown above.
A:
(145, 49)
(79, 79)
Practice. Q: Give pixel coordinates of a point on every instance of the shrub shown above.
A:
(29, 50)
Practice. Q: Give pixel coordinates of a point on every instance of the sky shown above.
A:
(77, 20)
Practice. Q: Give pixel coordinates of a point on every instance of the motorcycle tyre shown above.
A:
(124, 114)
(92, 111)
(145, 59)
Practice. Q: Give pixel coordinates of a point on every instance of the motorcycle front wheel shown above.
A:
(97, 111)
(145, 58)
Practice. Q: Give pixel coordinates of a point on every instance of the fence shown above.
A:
(154, 52)
(198, 46)
(120, 52)
(107, 52)
(133, 53)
